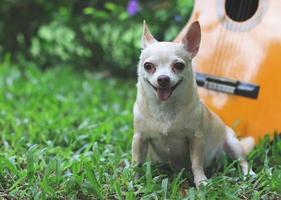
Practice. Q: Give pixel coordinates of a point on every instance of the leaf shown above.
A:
(95, 185)
(10, 165)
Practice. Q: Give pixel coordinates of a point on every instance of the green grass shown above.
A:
(67, 135)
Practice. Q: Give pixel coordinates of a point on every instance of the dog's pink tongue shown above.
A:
(163, 93)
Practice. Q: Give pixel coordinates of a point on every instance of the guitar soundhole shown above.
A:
(241, 10)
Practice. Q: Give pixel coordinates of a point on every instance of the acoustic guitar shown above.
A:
(239, 62)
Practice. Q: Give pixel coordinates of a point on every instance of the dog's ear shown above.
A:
(192, 38)
(147, 37)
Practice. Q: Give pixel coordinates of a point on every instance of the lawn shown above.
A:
(66, 134)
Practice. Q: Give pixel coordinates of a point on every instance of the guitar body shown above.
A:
(241, 47)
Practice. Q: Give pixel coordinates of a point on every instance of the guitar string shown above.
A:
(226, 39)
(237, 40)
(213, 68)
(237, 64)
(222, 37)
(230, 26)
(233, 38)
(224, 57)
(248, 31)
(233, 42)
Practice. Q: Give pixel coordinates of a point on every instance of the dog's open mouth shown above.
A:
(164, 93)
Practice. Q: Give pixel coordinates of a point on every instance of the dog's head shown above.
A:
(165, 67)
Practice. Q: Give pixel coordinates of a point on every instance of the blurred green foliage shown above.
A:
(85, 34)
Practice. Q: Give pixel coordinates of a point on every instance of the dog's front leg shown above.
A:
(197, 159)
(139, 149)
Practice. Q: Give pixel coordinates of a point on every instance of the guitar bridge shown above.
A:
(226, 85)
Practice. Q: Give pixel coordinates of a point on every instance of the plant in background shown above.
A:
(101, 35)
(57, 42)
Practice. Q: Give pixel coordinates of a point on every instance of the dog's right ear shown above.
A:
(192, 38)
(147, 37)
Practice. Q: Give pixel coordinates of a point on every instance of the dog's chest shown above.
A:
(166, 126)
(169, 150)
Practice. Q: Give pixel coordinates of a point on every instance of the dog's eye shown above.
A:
(178, 67)
(149, 67)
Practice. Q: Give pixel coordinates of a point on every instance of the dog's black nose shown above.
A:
(163, 80)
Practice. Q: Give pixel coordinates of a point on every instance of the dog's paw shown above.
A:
(138, 172)
(200, 181)
(250, 175)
